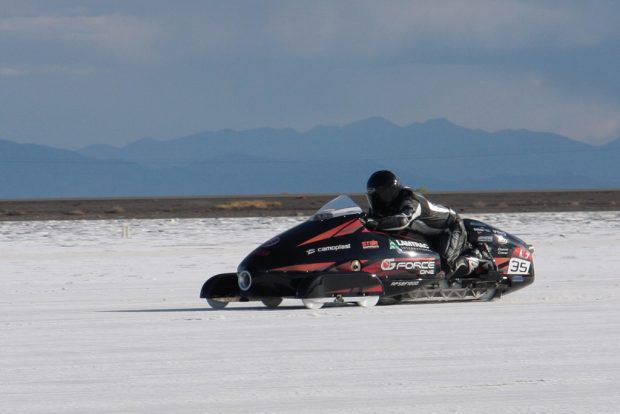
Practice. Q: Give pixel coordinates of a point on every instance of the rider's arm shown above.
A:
(438, 216)
(409, 209)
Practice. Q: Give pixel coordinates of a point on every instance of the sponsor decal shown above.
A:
(333, 248)
(485, 239)
(490, 238)
(412, 244)
(310, 251)
(522, 253)
(501, 233)
(503, 251)
(404, 283)
(370, 244)
(394, 246)
(388, 264)
(423, 267)
(480, 230)
(518, 267)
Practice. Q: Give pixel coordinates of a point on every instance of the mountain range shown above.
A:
(437, 155)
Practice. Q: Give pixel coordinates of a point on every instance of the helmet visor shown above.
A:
(380, 198)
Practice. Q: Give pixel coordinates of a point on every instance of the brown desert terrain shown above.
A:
(295, 204)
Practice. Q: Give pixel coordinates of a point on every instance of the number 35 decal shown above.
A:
(518, 267)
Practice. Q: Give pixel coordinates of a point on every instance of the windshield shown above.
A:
(339, 206)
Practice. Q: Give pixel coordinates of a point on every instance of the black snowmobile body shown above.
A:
(333, 257)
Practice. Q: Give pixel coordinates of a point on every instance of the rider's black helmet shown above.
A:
(382, 189)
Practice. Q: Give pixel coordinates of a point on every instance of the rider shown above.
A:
(394, 207)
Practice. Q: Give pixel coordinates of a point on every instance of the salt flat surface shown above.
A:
(94, 322)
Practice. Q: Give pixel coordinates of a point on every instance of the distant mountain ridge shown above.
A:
(436, 154)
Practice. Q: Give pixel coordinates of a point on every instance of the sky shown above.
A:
(77, 73)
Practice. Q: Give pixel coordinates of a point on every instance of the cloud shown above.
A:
(343, 30)
(537, 64)
(45, 70)
(484, 98)
(370, 29)
(10, 71)
(121, 36)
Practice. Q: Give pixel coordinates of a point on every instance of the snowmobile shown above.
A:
(334, 257)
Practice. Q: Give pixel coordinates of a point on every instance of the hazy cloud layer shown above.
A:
(79, 72)
(117, 35)
(371, 29)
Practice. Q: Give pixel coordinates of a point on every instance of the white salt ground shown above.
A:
(104, 317)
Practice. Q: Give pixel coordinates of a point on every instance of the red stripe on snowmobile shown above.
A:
(327, 234)
(351, 228)
(373, 289)
(501, 261)
(341, 291)
(305, 267)
(372, 268)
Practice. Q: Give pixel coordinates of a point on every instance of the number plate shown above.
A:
(518, 267)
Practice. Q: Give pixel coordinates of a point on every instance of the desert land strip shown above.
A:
(293, 205)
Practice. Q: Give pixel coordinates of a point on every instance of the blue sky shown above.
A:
(75, 73)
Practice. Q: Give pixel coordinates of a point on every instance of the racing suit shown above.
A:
(412, 212)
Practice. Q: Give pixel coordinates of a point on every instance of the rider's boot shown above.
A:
(464, 266)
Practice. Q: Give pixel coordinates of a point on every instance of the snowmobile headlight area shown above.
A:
(244, 279)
